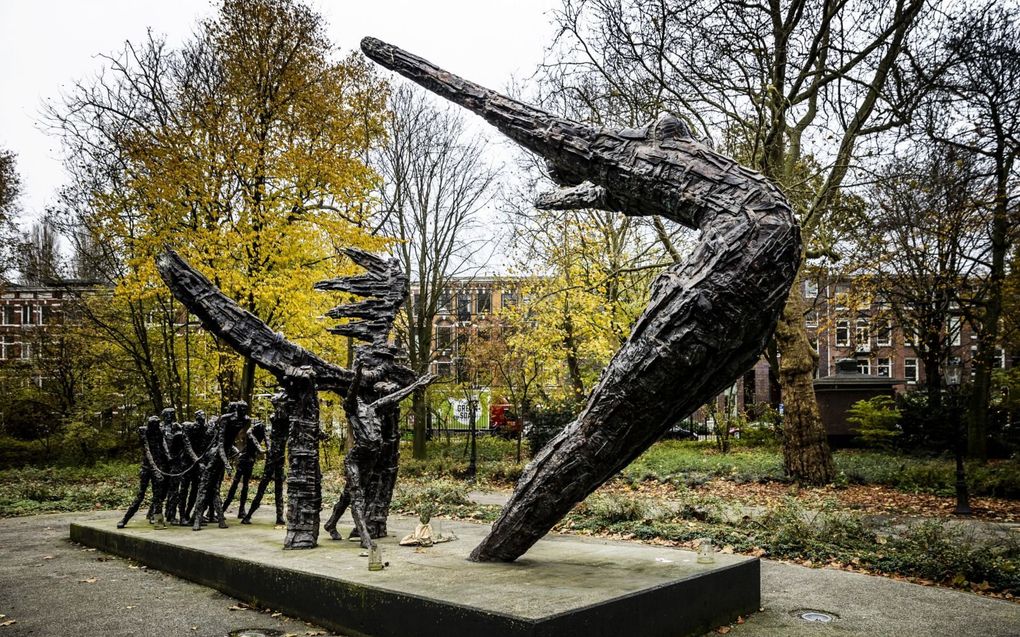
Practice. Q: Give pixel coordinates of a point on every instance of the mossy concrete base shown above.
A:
(564, 586)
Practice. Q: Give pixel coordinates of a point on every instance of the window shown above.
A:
(884, 336)
(9, 312)
(462, 341)
(862, 335)
(463, 307)
(6, 347)
(483, 302)
(445, 299)
(883, 367)
(842, 333)
(841, 295)
(444, 369)
(999, 362)
(864, 366)
(508, 298)
(27, 314)
(954, 327)
(910, 335)
(910, 369)
(444, 337)
(26, 351)
(811, 318)
(810, 290)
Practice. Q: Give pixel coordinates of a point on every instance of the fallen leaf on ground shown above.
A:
(88, 580)
(722, 630)
(8, 622)
(47, 557)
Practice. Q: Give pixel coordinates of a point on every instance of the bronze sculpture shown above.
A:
(708, 320)
(254, 439)
(301, 374)
(154, 464)
(272, 469)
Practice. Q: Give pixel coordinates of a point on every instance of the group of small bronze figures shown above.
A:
(183, 466)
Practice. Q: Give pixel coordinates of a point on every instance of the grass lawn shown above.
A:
(678, 493)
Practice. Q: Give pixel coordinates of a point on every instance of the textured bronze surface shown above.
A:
(708, 320)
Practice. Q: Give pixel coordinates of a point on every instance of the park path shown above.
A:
(51, 587)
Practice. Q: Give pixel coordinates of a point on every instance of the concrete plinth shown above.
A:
(564, 586)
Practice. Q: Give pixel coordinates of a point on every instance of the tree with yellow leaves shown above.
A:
(245, 151)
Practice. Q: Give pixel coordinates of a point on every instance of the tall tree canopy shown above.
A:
(244, 150)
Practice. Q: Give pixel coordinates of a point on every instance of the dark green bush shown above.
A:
(547, 421)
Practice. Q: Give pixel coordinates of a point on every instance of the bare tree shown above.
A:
(39, 256)
(926, 243)
(10, 190)
(436, 181)
(772, 82)
(981, 93)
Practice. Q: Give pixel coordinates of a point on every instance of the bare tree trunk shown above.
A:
(806, 453)
(977, 430)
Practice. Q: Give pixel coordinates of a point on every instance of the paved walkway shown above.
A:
(51, 587)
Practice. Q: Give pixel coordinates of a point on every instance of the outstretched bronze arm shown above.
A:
(708, 319)
(242, 330)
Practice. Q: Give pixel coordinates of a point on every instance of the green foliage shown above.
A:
(495, 460)
(440, 497)
(933, 550)
(610, 509)
(692, 463)
(30, 490)
(926, 428)
(764, 427)
(877, 421)
(696, 462)
(928, 475)
(548, 420)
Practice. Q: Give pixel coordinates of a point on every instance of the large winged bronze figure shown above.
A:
(708, 319)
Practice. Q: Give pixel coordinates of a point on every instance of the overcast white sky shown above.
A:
(46, 45)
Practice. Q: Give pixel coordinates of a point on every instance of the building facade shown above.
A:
(840, 326)
(467, 309)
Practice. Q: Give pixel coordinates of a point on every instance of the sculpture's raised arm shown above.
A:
(242, 330)
(708, 319)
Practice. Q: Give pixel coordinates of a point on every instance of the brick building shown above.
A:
(868, 333)
(467, 307)
(25, 312)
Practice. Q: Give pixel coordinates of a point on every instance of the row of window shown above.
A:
(883, 336)
(464, 304)
(26, 314)
(884, 366)
(11, 349)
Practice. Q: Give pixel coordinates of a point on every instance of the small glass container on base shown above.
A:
(705, 553)
(375, 562)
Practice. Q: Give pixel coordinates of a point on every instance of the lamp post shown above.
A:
(954, 373)
(472, 415)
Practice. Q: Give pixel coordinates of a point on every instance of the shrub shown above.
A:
(877, 421)
(610, 509)
(547, 421)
